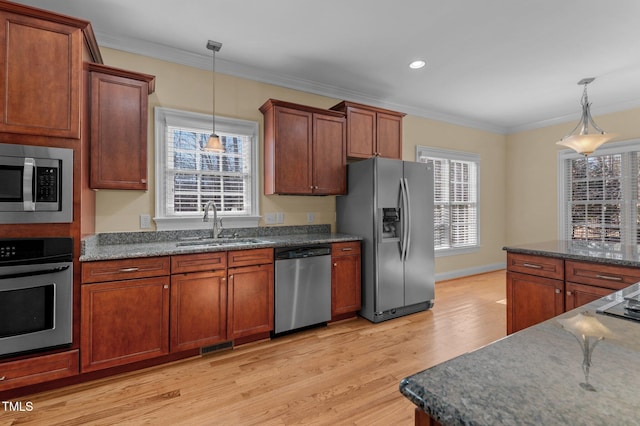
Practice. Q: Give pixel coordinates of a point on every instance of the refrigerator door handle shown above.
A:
(408, 220)
(403, 243)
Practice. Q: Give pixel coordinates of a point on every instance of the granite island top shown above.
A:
(533, 377)
(590, 251)
(111, 246)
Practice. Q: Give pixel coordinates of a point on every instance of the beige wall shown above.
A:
(187, 88)
(532, 172)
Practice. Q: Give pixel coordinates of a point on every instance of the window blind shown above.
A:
(455, 197)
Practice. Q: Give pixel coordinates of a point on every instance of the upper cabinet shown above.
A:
(372, 132)
(40, 75)
(119, 115)
(304, 150)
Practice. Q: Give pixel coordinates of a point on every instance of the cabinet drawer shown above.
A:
(198, 262)
(111, 270)
(38, 369)
(607, 276)
(250, 257)
(346, 248)
(542, 266)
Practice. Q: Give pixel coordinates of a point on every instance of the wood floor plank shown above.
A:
(345, 373)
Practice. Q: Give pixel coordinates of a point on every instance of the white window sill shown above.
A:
(456, 251)
(182, 223)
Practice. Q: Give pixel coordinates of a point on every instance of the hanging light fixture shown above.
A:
(585, 142)
(213, 143)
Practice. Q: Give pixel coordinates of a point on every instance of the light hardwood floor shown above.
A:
(345, 373)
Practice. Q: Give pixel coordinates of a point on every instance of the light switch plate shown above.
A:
(310, 218)
(280, 217)
(270, 218)
(145, 221)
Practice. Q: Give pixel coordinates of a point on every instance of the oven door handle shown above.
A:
(36, 272)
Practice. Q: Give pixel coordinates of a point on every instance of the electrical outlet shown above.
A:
(145, 221)
(270, 218)
(280, 217)
(310, 218)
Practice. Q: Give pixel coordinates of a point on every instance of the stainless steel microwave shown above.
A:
(37, 184)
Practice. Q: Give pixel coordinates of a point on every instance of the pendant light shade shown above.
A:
(213, 143)
(585, 141)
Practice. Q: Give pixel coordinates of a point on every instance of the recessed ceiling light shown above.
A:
(416, 65)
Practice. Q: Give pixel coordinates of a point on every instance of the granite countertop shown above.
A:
(591, 251)
(146, 244)
(533, 377)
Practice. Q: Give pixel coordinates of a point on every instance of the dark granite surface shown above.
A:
(609, 253)
(146, 244)
(533, 377)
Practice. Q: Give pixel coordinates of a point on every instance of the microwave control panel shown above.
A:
(47, 184)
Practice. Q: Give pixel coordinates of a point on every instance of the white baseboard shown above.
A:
(470, 271)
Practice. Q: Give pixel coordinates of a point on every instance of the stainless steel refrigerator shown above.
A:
(390, 204)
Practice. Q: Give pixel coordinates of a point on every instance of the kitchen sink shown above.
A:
(215, 242)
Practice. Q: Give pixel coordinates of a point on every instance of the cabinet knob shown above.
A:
(166, 286)
(558, 291)
(143, 181)
(335, 264)
(569, 293)
(2, 378)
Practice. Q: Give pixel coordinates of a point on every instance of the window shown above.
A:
(456, 191)
(599, 195)
(187, 177)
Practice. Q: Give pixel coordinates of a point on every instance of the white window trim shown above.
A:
(460, 156)
(166, 117)
(569, 154)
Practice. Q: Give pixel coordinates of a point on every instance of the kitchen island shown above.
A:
(534, 376)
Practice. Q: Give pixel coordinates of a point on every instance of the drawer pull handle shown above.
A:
(532, 265)
(2, 378)
(608, 277)
(134, 269)
(347, 249)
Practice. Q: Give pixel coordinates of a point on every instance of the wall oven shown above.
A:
(36, 294)
(37, 184)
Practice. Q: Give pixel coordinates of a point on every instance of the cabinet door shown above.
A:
(361, 133)
(389, 136)
(250, 301)
(345, 284)
(293, 150)
(198, 309)
(118, 132)
(329, 160)
(124, 322)
(580, 294)
(531, 300)
(40, 75)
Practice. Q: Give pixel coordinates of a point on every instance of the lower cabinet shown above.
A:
(25, 372)
(198, 300)
(124, 321)
(345, 280)
(125, 311)
(531, 300)
(541, 287)
(250, 293)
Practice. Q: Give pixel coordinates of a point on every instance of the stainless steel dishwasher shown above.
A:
(302, 286)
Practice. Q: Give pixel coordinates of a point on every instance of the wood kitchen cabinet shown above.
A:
(26, 372)
(345, 280)
(198, 300)
(372, 132)
(125, 311)
(304, 150)
(40, 73)
(535, 290)
(541, 287)
(250, 293)
(119, 115)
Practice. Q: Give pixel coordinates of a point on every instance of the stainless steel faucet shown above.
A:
(217, 226)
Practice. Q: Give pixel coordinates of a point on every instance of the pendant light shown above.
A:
(586, 142)
(213, 143)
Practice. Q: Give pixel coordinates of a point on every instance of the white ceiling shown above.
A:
(499, 65)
